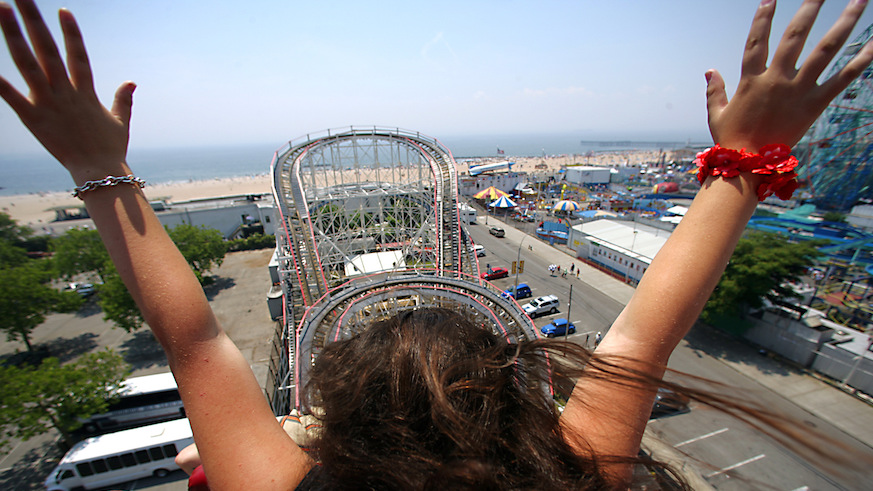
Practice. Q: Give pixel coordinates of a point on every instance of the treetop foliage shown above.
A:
(34, 399)
(26, 292)
(81, 251)
(759, 267)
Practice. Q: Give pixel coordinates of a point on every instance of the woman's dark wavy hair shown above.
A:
(428, 400)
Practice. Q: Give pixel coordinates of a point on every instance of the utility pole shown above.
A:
(569, 305)
(517, 264)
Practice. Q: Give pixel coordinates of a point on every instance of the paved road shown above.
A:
(726, 452)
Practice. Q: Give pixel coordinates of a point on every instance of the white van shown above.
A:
(143, 400)
(115, 458)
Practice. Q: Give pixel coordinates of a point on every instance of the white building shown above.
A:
(861, 216)
(228, 214)
(467, 213)
(468, 186)
(626, 248)
(587, 175)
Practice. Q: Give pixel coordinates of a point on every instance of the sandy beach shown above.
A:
(37, 210)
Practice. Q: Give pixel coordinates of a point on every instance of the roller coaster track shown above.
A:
(347, 193)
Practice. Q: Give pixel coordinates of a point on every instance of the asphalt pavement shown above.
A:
(814, 395)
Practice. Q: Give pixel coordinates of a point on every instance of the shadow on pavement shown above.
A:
(67, 349)
(218, 284)
(723, 346)
(31, 470)
(142, 350)
(89, 308)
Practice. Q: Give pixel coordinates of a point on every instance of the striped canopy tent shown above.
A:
(566, 205)
(490, 193)
(503, 202)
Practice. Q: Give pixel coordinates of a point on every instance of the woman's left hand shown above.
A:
(777, 104)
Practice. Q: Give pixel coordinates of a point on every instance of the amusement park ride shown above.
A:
(370, 227)
(837, 151)
(347, 200)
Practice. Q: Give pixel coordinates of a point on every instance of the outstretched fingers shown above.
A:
(15, 99)
(791, 45)
(77, 56)
(834, 85)
(830, 44)
(27, 65)
(757, 50)
(44, 46)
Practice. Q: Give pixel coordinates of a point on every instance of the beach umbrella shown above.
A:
(490, 193)
(566, 205)
(503, 202)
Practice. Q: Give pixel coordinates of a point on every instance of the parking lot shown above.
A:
(238, 297)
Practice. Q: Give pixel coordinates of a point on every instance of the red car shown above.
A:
(494, 273)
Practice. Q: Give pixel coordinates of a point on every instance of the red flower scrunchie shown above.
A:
(775, 163)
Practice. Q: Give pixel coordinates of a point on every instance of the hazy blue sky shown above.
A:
(222, 72)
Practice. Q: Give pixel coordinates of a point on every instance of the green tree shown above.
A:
(761, 264)
(13, 233)
(834, 216)
(203, 248)
(12, 241)
(117, 303)
(80, 251)
(26, 297)
(35, 399)
(26, 294)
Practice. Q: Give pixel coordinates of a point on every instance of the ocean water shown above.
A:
(26, 174)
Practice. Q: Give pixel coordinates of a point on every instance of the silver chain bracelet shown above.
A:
(107, 181)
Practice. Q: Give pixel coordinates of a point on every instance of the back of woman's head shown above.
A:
(428, 399)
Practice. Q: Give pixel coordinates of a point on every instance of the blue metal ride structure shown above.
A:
(837, 152)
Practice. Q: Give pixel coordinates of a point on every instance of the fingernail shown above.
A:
(766, 3)
(708, 76)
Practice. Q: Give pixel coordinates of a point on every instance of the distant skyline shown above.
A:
(264, 72)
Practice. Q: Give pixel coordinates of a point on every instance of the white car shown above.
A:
(83, 289)
(541, 306)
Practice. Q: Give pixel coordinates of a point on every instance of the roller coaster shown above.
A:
(352, 193)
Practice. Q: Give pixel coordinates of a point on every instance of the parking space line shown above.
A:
(732, 467)
(701, 437)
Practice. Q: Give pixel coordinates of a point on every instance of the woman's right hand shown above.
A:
(62, 109)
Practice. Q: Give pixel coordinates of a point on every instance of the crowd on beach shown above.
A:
(37, 209)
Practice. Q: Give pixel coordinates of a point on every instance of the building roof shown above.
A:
(375, 262)
(631, 239)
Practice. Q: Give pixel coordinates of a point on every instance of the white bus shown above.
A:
(144, 400)
(119, 457)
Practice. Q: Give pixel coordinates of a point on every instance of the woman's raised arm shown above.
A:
(218, 388)
(774, 104)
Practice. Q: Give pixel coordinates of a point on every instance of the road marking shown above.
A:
(701, 437)
(738, 464)
(802, 488)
